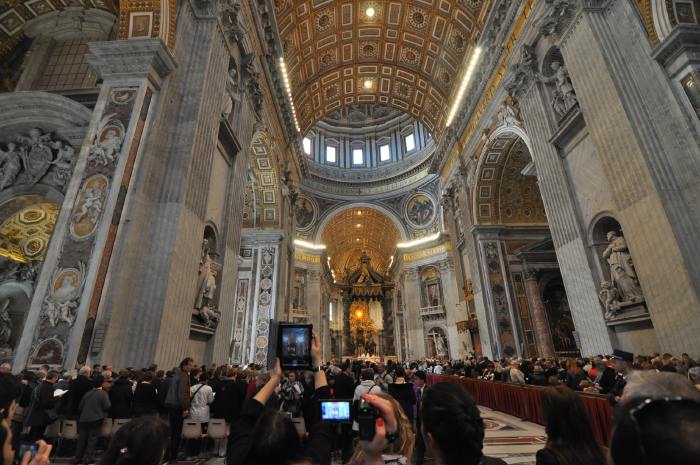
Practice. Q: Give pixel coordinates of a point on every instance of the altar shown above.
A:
(367, 318)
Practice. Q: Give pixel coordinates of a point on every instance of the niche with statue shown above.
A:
(206, 314)
(620, 294)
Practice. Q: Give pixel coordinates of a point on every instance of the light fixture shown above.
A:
(369, 12)
(463, 86)
(422, 240)
(367, 83)
(288, 86)
(358, 314)
(357, 240)
(309, 245)
(358, 225)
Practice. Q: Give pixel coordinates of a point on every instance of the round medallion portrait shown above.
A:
(420, 210)
(304, 213)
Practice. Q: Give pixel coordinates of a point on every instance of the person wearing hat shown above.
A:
(623, 365)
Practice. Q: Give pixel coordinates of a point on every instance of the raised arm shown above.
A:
(275, 378)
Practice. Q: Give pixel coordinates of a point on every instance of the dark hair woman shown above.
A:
(570, 439)
(267, 436)
(453, 427)
(140, 442)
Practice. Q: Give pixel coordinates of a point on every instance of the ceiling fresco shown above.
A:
(400, 54)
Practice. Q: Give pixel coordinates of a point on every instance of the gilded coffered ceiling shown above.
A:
(503, 195)
(402, 54)
(14, 14)
(355, 230)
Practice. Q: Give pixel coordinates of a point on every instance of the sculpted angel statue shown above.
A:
(10, 165)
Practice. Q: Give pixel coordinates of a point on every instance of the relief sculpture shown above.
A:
(37, 158)
(61, 303)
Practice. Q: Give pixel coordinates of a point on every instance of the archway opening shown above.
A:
(514, 240)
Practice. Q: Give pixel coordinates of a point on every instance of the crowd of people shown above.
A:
(274, 416)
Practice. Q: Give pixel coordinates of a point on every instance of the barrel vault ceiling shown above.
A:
(355, 231)
(399, 53)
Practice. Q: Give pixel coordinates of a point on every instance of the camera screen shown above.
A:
(335, 410)
(295, 346)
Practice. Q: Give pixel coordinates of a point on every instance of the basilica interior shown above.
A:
(415, 178)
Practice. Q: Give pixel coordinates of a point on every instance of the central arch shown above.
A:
(357, 230)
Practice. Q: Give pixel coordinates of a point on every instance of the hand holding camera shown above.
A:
(37, 454)
(378, 425)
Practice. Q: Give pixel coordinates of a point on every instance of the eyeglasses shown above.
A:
(648, 406)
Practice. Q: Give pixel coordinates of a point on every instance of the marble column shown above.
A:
(542, 332)
(649, 156)
(388, 333)
(415, 339)
(568, 232)
(81, 248)
(348, 348)
(266, 283)
(497, 294)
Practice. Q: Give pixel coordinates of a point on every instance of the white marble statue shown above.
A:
(508, 115)
(610, 299)
(622, 271)
(564, 95)
(440, 348)
(104, 152)
(10, 165)
(61, 302)
(91, 205)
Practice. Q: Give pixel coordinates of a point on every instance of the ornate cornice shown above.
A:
(131, 59)
(490, 71)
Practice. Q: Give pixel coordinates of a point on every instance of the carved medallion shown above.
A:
(89, 207)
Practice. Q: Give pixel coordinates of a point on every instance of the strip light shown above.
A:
(309, 245)
(288, 86)
(422, 240)
(465, 82)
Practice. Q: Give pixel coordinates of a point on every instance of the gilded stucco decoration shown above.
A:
(355, 231)
(25, 235)
(265, 189)
(401, 54)
(15, 13)
(502, 194)
(148, 18)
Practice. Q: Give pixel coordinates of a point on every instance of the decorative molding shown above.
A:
(133, 59)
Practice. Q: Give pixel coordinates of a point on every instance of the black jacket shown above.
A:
(228, 400)
(121, 396)
(344, 386)
(240, 441)
(404, 394)
(42, 401)
(538, 379)
(145, 401)
(77, 388)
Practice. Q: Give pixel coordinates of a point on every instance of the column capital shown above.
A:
(131, 59)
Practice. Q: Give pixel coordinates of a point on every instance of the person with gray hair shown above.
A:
(657, 385)
(657, 421)
(77, 388)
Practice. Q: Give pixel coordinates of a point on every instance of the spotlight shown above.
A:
(367, 84)
(370, 12)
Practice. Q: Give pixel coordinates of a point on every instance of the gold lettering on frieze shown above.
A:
(438, 249)
(302, 257)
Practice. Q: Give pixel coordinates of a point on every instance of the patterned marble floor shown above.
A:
(511, 439)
